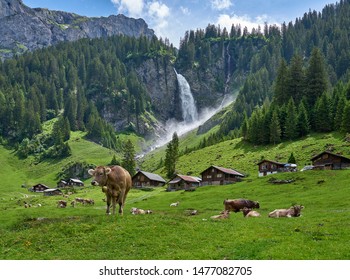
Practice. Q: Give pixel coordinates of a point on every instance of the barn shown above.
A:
(183, 182)
(216, 175)
(145, 179)
(50, 192)
(328, 160)
(267, 167)
(39, 188)
(69, 183)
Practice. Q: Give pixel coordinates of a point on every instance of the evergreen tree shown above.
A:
(345, 127)
(303, 120)
(275, 129)
(291, 159)
(296, 78)
(128, 161)
(316, 77)
(171, 155)
(280, 96)
(322, 116)
(291, 123)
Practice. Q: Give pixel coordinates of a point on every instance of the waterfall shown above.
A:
(188, 106)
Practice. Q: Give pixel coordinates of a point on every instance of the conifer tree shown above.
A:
(280, 96)
(275, 129)
(128, 161)
(316, 77)
(303, 120)
(345, 127)
(291, 131)
(171, 155)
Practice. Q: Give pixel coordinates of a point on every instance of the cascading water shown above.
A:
(188, 106)
(191, 118)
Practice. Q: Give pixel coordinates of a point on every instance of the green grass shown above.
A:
(85, 232)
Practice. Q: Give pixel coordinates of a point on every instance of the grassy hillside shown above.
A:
(244, 157)
(85, 232)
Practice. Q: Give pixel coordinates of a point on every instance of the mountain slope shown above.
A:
(23, 28)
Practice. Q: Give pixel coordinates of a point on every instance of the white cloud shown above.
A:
(225, 20)
(159, 14)
(221, 4)
(185, 11)
(133, 7)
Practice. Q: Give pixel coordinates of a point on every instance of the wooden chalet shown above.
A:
(145, 179)
(328, 160)
(267, 167)
(215, 175)
(39, 188)
(183, 182)
(70, 183)
(50, 192)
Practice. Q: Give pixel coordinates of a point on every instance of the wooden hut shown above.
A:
(50, 192)
(267, 167)
(183, 182)
(145, 179)
(39, 188)
(216, 175)
(328, 160)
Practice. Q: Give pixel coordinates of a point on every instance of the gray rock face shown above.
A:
(23, 28)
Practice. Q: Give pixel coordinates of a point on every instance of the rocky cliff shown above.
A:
(23, 28)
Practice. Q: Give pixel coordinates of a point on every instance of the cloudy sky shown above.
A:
(172, 18)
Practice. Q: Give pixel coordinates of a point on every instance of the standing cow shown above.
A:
(236, 205)
(115, 182)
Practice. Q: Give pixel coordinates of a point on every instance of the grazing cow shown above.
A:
(236, 205)
(88, 201)
(293, 211)
(223, 215)
(62, 204)
(175, 204)
(247, 212)
(118, 183)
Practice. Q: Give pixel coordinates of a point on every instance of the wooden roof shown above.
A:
(151, 176)
(225, 170)
(326, 152)
(186, 178)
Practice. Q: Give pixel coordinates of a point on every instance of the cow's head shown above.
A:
(297, 210)
(100, 175)
(256, 204)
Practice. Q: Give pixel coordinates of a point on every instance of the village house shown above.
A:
(39, 188)
(328, 160)
(183, 182)
(145, 179)
(215, 175)
(267, 167)
(70, 183)
(50, 192)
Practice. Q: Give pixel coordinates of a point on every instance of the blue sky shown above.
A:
(172, 18)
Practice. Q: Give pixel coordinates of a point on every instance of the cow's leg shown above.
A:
(114, 204)
(121, 200)
(109, 198)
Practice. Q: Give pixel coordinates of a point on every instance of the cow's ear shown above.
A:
(302, 207)
(108, 170)
(91, 172)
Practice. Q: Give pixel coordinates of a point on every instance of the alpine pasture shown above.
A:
(85, 232)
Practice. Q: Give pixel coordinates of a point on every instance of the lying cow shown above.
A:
(175, 204)
(118, 183)
(247, 212)
(223, 215)
(137, 211)
(293, 211)
(236, 205)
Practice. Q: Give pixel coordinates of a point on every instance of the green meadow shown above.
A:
(170, 233)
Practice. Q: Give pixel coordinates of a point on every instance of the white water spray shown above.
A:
(191, 118)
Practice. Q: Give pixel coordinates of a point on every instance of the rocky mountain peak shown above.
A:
(23, 28)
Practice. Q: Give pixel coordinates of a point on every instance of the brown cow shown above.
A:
(117, 181)
(293, 211)
(247, 212)
(236, 205)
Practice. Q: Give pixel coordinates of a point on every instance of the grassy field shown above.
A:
(86, 233)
